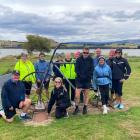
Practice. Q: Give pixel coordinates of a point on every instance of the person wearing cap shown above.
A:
(84, 74)
(60, 97)
(121, 71)
(68, 71)
(26, 67)
(102, 80)
(109, 61)
(13, 96)
(42, 66)
(98, 54)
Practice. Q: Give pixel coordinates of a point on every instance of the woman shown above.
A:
(25, 67)
(102, 80)
(59, 96)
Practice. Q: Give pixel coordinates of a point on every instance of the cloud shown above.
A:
(68, 25)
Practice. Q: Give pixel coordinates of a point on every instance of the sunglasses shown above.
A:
(57, 82)
(85, 52)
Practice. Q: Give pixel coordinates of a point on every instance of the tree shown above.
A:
(37, 43)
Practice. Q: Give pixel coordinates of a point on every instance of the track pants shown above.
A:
(60, 112)
(104, 90)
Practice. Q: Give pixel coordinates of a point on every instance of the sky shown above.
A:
(68, 21)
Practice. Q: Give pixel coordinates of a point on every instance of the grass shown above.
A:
(114, 126)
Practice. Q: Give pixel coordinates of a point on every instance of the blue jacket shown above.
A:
(12, 94)
(42, 66)
(102, 76)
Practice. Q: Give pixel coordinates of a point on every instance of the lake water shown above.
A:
(6, 52)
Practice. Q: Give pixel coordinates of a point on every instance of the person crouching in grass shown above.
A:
(13, 96)
(60, 96)
(102, 80)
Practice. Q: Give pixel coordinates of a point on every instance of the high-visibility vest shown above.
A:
(26, 68)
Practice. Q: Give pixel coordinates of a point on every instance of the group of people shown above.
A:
(73, 78)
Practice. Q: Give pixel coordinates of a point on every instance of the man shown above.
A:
(98, 54)
(42, 66)
(120, 72)
(13, 96)
(84, 71)
(68, 71)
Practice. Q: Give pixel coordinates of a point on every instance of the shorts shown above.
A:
(83, 84)
(45, 84)
(28, 86)
(117, 86)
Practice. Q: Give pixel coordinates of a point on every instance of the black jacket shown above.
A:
(109, 62)
(120, 69)
(84, 68)
(57, 73)
(60, 97)
(12, 94)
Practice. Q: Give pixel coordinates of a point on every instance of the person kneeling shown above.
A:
(60, 96)
(13, 96)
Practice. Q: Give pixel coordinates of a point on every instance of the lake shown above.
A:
(6, 52)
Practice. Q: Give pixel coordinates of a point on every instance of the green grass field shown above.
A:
(114, 126)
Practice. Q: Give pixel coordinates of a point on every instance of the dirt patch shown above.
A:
(42, 123)
(41, 118)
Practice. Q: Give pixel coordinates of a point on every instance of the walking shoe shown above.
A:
(66, 115)
(121, 106)
(26, 117)
(116, 105)
(105, 110)
(85, 109)
(2, 114)
(76, 111)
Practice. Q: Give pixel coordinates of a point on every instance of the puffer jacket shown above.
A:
(102, 76)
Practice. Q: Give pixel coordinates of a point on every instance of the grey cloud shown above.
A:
(81, 24)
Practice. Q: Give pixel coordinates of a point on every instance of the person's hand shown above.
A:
(21, 104)
(122, 80)
(11, 108)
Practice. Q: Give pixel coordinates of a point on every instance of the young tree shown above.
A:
(37, 43)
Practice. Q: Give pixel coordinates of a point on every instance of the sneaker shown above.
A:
(72, 103)
(105, 110)
(76, 111)
(26, 117)
(66, 115)
(121, 106)
(85, 110)
(116, 105)
(2, 114)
